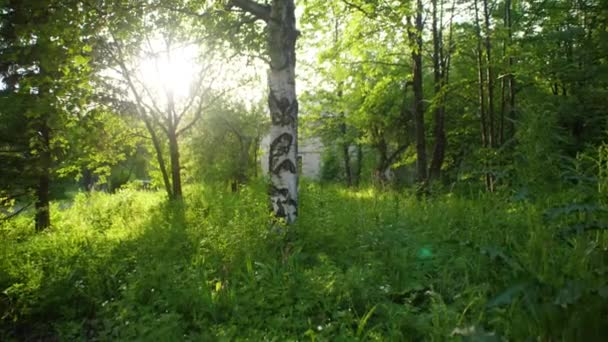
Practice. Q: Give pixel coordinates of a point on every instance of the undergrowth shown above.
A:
(358, 265)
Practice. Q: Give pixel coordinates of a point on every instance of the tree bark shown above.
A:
(511, 77)
(490, 75)
(43, 213)
(383, 163)
(358, 168)
(439, 82)
(346, 153)
(416, 39)
(283, 105)
(175, 166)
(490, 179)
(486, 139)
(481, 81)
(281, 39)
(159, 155)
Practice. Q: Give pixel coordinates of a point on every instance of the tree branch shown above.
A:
(397, 153)
(258, 10)
(11, 215)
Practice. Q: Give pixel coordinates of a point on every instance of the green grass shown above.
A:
(361, 264)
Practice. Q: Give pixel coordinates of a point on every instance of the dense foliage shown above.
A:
(364, 264)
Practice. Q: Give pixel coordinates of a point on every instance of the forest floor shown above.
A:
(358, 265)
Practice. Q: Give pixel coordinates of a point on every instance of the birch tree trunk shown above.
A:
(281, 39)
(283, 105)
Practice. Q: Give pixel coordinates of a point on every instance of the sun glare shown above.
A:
(173, 70)
(187, 70)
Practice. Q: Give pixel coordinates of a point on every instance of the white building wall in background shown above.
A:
(309, 155)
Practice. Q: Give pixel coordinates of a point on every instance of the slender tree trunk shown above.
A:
(283, 105)
(485, 133)
(503, 108)
(346, 154)
(382, 165)
(159, 156)
(43, 213)
(511, 77)
(490, 76)
(343, 130)
(439, 81)
(347, 169)
(416, 39)
(256, 164)
(481, 80)
(175, 166)
(359, 164)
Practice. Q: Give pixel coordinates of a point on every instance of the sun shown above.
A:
(169, 69)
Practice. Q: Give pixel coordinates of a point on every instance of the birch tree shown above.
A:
(281, 35)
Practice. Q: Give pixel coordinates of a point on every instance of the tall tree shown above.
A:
(163, 112)
(441, 71)
(281, 36)
(415, 33)
(45, 49)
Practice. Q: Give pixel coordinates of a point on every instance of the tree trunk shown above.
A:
(490, 179)
(358, 168)
(256, 164)
(159, 156)
(175, 166)
(439, 81)
(416, 39)
(485, 132)
(490, 75)
(283, 105)
(43, 214)
(511, 77)
(382, 165)
(481, 81)
(346, 154)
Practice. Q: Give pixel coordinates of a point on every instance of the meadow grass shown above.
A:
(358, 265)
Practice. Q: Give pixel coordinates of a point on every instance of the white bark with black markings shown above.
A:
(282, 102)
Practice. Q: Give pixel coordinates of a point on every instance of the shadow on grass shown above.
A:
(111, 288)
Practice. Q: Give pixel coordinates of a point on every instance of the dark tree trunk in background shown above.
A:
(346, 155)
(416, 40)
(511, 76)
(43, 214)
(490, 76)
(175, 166)
(256, 163)
(159, 155)
(439, 70)
(383, 163)
(486, 133)
(358, 168)
(481, 81)
(491, 179)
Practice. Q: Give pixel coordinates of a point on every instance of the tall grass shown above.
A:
(362, 264)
